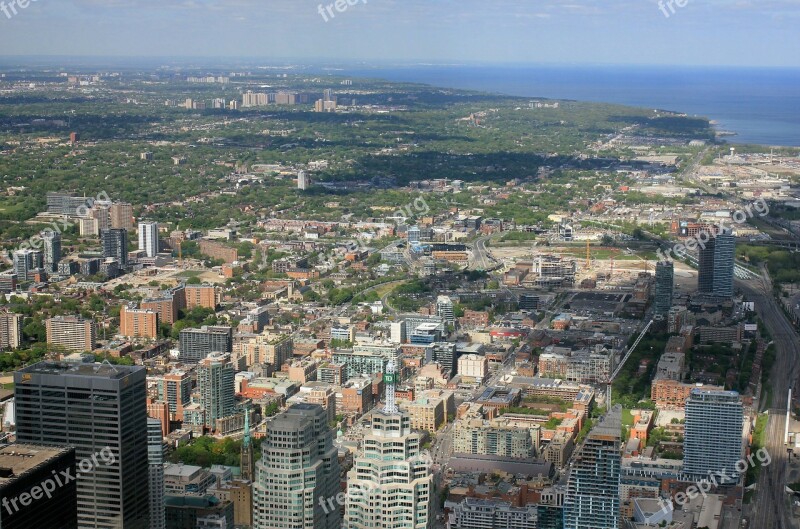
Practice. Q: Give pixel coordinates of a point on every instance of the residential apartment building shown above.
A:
(215, 384)
(713, 434)
(593, 497)
(115, 245)
(148, 238)
(72, 333)
(175, 389)
(138, 323)
(216, 250)
(121, 215)
(671, 395)
(206, 296)
(716, 263)
(196, 344)
(266, 349)
(10, 330)
(477, 436)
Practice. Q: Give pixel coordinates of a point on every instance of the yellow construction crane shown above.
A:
(588, 254)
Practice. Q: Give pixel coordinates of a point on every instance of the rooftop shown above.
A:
(97, 370)
(18, 459)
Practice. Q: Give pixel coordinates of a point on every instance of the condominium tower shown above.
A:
(593, 496)
(115, 245)
(155, 469)
(665, 286)
(717, 261)
(215, 383)
(713, 438)
(148, 238)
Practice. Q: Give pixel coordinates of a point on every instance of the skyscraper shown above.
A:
(115, 245)
(303, 181)
(28, 467)
(445, 309)
(246, 455)
(717, 259)
(593, 496)
(298, 472)
(25, 262)
(52, 250)
(10, 330)
(391, 484)
(713, 440)
(665, 286)
(121, 216)
(100, 410)
(155, 468)
(148, 238)
(196, 344)
(215, 383)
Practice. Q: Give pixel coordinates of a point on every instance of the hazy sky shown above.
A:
(723, 32)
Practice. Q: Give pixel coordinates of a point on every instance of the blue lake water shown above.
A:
(761, 105)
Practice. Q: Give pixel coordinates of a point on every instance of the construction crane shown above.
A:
(621, 364)
(614, 253)
(588, 254)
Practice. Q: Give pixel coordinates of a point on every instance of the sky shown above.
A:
(691, 32)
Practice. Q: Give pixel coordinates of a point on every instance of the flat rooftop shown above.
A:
(96, 370)
(18, 459)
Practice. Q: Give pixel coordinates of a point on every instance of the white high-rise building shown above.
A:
(445, 309)
(148, 238)
(713, 439)
(391, 483)
(298, 476)
(155, 466)
(216, 386)
(303, 181)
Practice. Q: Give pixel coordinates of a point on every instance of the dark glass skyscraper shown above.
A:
(115, 244)
(715, 275)
(100, 410)
(52, 250)
(25, 472)
(665, 284)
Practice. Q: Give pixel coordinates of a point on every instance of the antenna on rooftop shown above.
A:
(389, 380)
